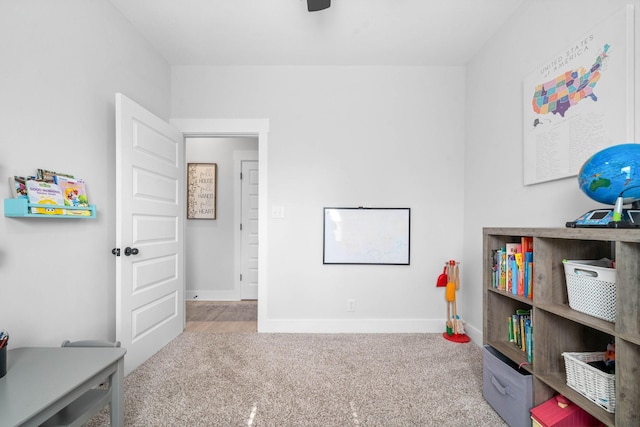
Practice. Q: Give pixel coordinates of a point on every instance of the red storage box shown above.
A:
(550, 414)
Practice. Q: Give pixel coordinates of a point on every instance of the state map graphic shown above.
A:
(556, 96)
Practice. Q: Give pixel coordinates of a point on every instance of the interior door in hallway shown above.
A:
(150, 213)
(249, 230)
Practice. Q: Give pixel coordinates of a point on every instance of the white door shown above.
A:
(149, 232)
(249, 230)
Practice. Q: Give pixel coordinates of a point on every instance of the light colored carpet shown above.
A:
(323, 380)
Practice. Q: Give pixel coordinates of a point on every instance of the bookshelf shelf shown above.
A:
(558, 328)
(19, 208)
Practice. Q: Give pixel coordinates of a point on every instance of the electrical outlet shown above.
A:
(351, 305)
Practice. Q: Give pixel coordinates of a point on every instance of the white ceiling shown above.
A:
(350, 32)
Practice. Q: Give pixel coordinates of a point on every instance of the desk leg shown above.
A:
(117, 395)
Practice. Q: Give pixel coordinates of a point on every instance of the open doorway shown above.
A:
(222, 316)
(244, 127)
(221, 255)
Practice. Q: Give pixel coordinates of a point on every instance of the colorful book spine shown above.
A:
(503, 269)
(512, 274)
(528, 275)
(512, 269)
(494, 268)
(529, 340)
(510, 329)
(513, 266)
(520, 331)
(524, 317)
(520, 268)
(527, 249)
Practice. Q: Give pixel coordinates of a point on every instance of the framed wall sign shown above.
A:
(366, 236)
(201, 190)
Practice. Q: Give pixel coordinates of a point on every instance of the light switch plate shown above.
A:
(277, 212)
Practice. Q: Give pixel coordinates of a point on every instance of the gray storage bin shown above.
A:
(506, 388)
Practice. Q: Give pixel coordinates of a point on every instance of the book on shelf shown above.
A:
(45, 193)
(18, 186)
(527, 250)
(520, 273)
(528, 333)
(75, 194)
(527, 243)
(520, 331)
(52, 188)
(528, 275)
(512, 277)
(49, 176)
(498, 271)
(512, 269)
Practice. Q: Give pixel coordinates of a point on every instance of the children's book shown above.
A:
(45, 193)
(503, 270)
(49, 176)
(75, 194)
(18, 186)
(520, 272)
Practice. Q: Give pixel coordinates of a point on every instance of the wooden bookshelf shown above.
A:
(556, 327)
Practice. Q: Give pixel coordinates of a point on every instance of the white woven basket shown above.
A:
(592, 383)
(591, 288)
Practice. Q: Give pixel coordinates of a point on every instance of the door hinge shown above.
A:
(240, 226)
(240, 175)
(241, 277)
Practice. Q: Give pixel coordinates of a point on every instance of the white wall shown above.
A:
(339, 136)
(61, 64)
(210, 254)
(348, 136)
(494, 132)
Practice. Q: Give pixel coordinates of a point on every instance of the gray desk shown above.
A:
(42, 380)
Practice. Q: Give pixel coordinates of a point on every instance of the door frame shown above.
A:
(242, 127)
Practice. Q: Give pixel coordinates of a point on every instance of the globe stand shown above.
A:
(607, 218)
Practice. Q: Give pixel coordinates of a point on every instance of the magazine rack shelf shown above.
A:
(19, 208)
(557, 328)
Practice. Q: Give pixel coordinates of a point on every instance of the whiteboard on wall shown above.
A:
(366, 236)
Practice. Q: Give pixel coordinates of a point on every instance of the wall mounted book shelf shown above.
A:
(21, 208)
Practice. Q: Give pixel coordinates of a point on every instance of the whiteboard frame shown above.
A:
(374, 236)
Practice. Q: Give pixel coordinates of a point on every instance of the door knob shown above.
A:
(131, 251)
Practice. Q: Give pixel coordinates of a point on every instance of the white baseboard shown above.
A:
(474, 333)
(362, 326)
(351, 325)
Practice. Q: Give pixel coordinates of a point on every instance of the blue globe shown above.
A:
(612, 172)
